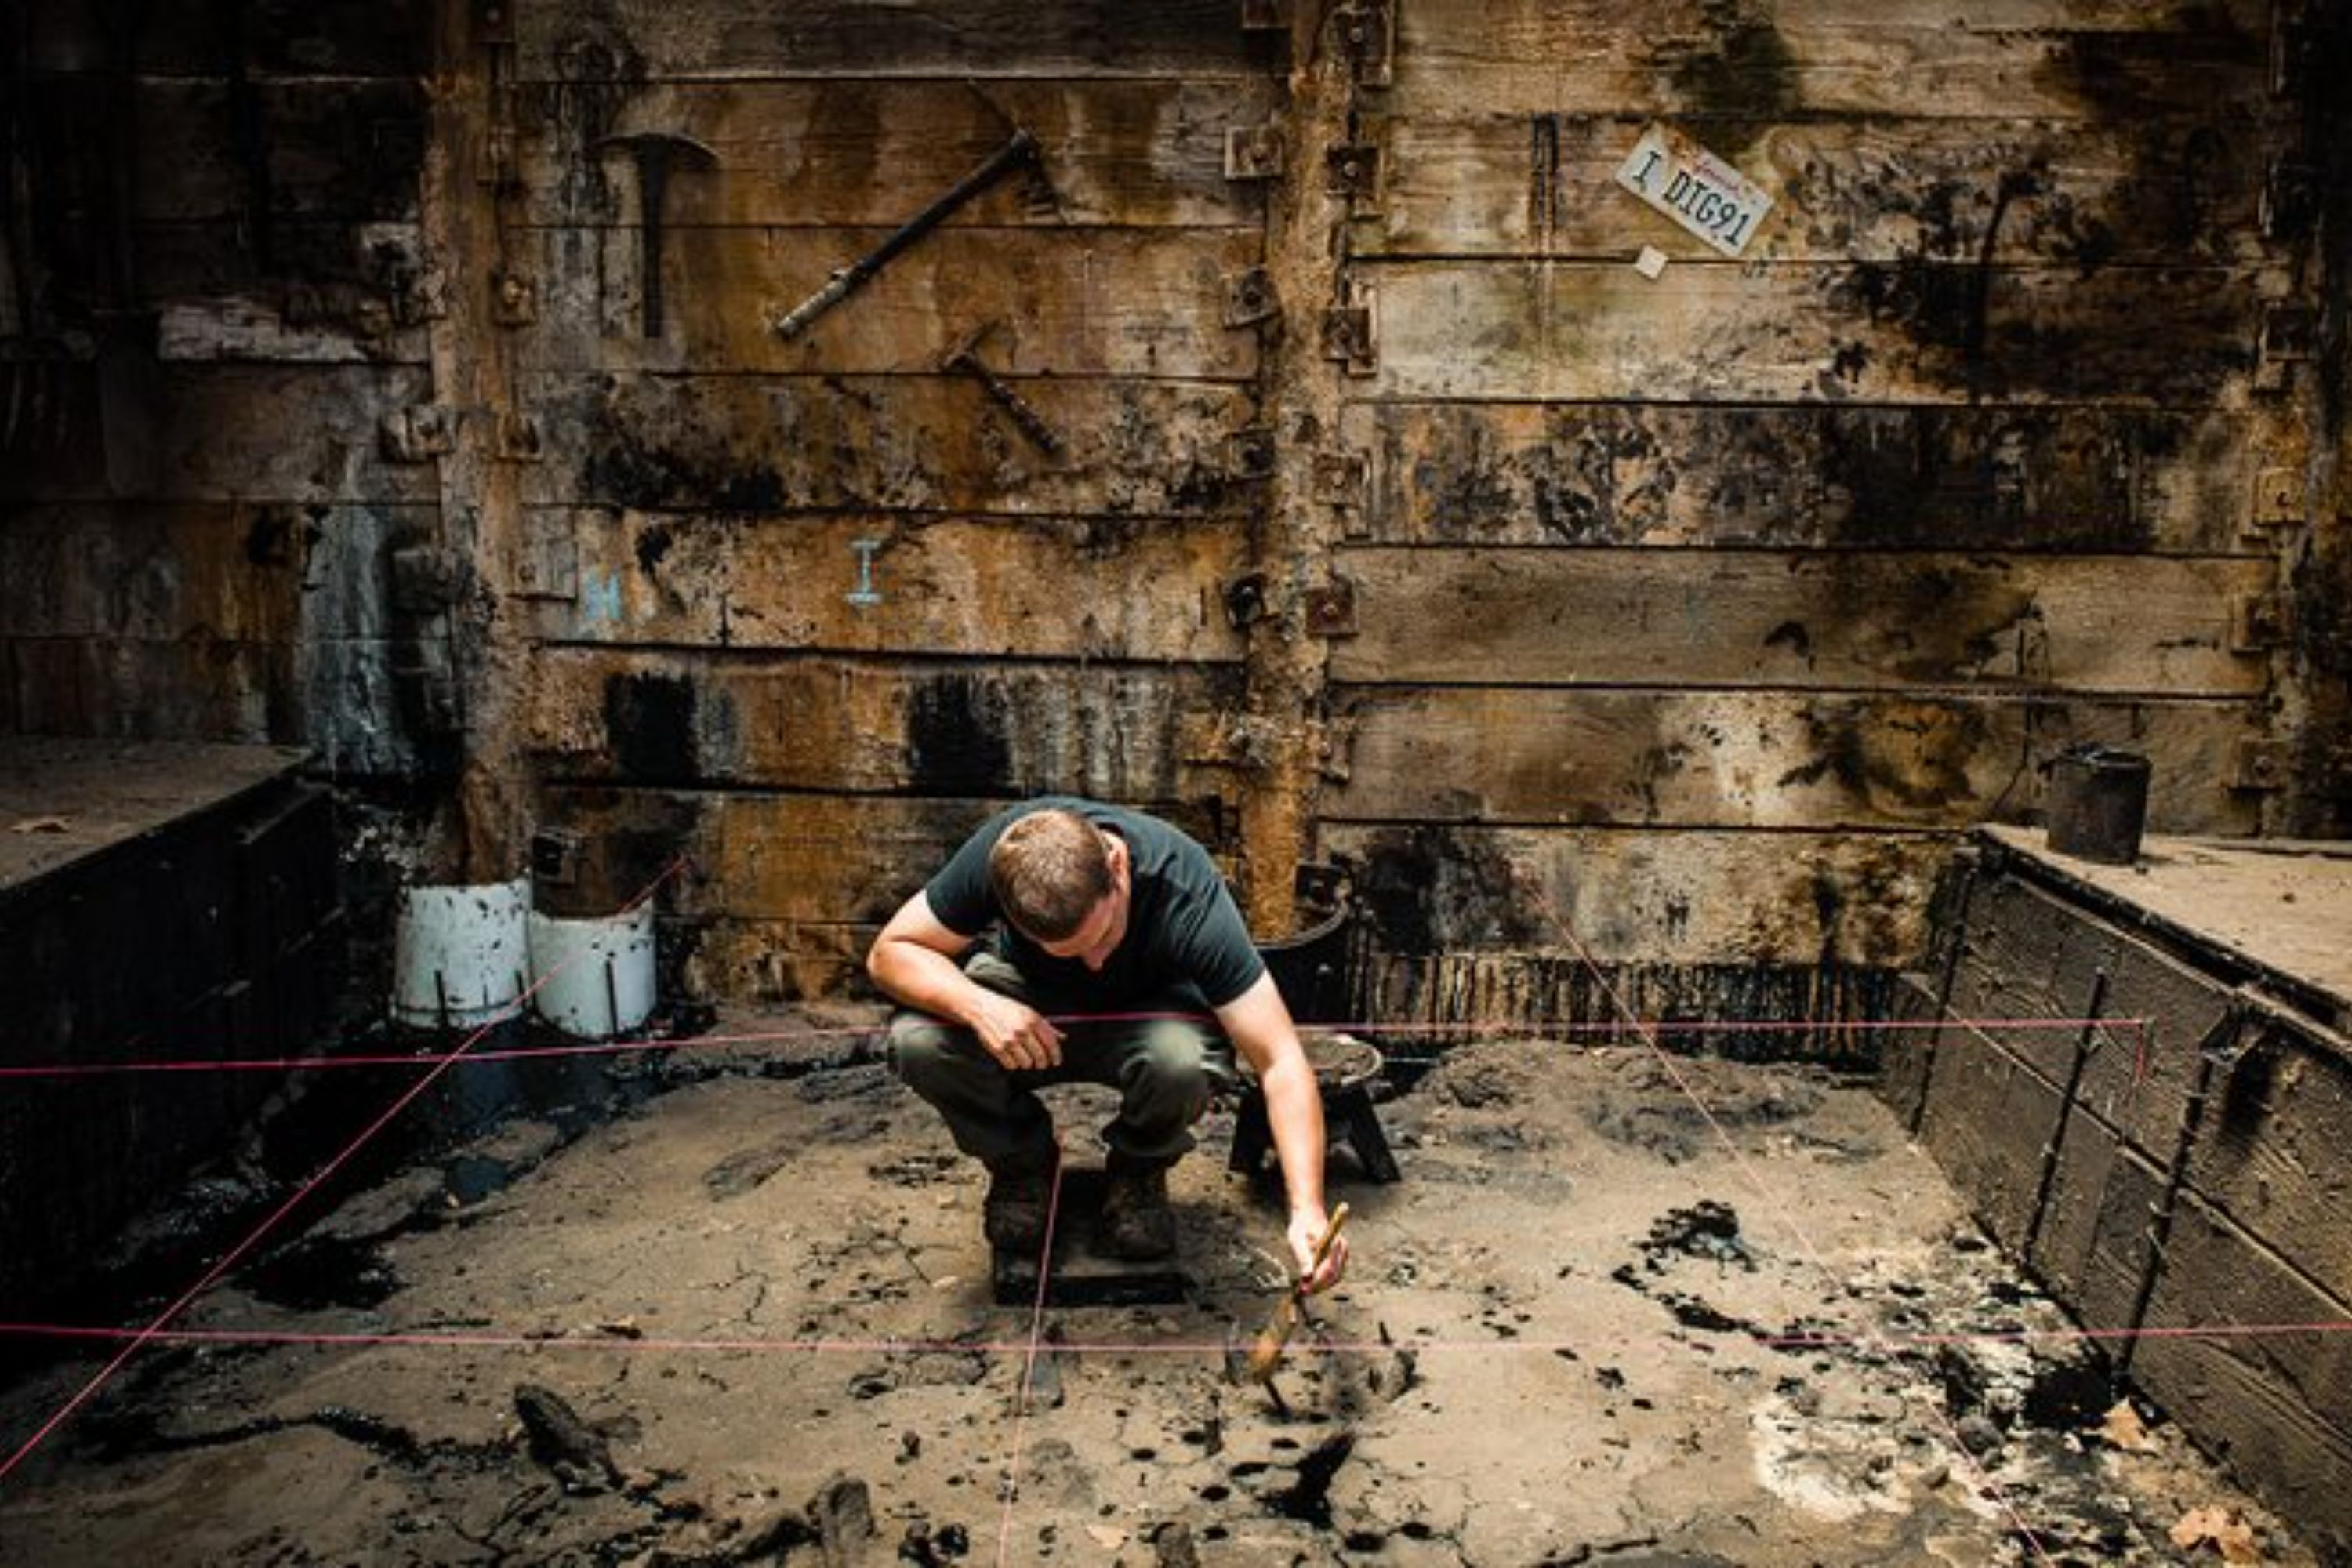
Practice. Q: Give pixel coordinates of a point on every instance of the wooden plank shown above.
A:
(1560, 995)
(829, 859)
(2140, 1081)
(1692, 59)
(200, 571)
(2274, 1404)
(1730, 759)
(1664, 897)
(657, 40)
(1035, 589)
(1989, 1117)
(1721, 619)
(316, 38)
(1906, 331)
(895, 443)
(155, 689)
(2026, 479)
(338, 147)
(208, 432)
(2272, 1156)
(2093, 1248)
(2188, 189)
(1130, 302)
(855, 726)
(869, 152)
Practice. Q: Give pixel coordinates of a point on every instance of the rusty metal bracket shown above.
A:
(2258, 622)
(1250, 298)
(1331, 608)
(1246, 600)
(1352, 169)
(1254, 152)
(1350, 333)
(555, 856)
(521, 438)
(2262, 766)
(1340, 477)
(1250, 453)
(2277, 503)
(2290, 337)
(964, 360)
(418, 434)
(514, 298)
(1368, 32)
(1020, 152)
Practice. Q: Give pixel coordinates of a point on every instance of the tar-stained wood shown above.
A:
(2272, 1158)
(731, 39)
(2140, 1080)
(829, 859)
(251, 152)
(928, 443)
(208, 432)
(1505, 754)
(1086, 302)
(1988, 1120)
(1145, 153)
(1906, 331)
(1925, 58)
(1672, 897)
(1993, 190)
(194, 571)
(2120, 624)
(2042, 479)
(145, 688)
(2092, 1249)
(1067, 588)
(860, 726)
(2274, 1404)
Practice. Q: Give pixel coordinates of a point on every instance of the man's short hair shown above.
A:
(1049, 870)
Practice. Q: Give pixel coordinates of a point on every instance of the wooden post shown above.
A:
(469, 175)
(1292, 540)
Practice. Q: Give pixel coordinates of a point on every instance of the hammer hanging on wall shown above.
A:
(1018, 153)
(656, 153)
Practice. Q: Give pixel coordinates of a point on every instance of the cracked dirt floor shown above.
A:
(1580, 1332)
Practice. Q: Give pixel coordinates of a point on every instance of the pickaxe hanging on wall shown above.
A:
(656, 153)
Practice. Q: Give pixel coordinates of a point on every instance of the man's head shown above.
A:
(1063, 883)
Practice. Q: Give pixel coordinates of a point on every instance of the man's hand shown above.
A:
(1307, 1228)
(1016, 1034)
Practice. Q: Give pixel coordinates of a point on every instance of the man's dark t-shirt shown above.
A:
(1183, 931)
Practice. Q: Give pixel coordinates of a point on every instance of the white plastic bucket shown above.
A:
(460, 953)
(596, 975)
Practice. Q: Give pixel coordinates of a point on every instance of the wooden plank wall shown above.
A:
(209, 301)
(1692, 613)
(712, 497)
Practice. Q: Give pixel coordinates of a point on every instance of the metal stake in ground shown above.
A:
(1020, 152)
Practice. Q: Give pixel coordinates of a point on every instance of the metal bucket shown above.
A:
(1310, 969)
(460, 954)
(2098, 803)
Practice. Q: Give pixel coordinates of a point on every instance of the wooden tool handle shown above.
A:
(1330, 1235)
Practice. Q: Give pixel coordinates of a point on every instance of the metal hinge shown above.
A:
(1254, 152)
(1350, 333)
(520, 438)
(2258, 622)
(514, 298)
(1353, 169)
(1340, 478)
(417, 433)
(1331, 608)
(1250, 453)
(1368, 32)
(2277, 504)
(1250, 298)
(2262, 765)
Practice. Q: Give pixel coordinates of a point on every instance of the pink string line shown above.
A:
(230, 1259)
(1766, 1194)
(1066, 1020)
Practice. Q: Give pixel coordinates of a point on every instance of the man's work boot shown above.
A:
(1020, 1195)
(1137, 1223)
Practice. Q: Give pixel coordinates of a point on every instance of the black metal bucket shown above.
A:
(2098, 803)
(1311, 969)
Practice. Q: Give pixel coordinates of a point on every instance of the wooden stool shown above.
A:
(1345, 1070)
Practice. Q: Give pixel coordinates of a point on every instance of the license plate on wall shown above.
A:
(1695, 188)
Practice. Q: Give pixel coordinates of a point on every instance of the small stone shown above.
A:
(1977, 1434)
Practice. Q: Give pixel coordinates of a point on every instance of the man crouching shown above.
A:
(1120, 926)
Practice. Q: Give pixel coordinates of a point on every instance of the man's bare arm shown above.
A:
(915, 961)
(1259, 1024)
